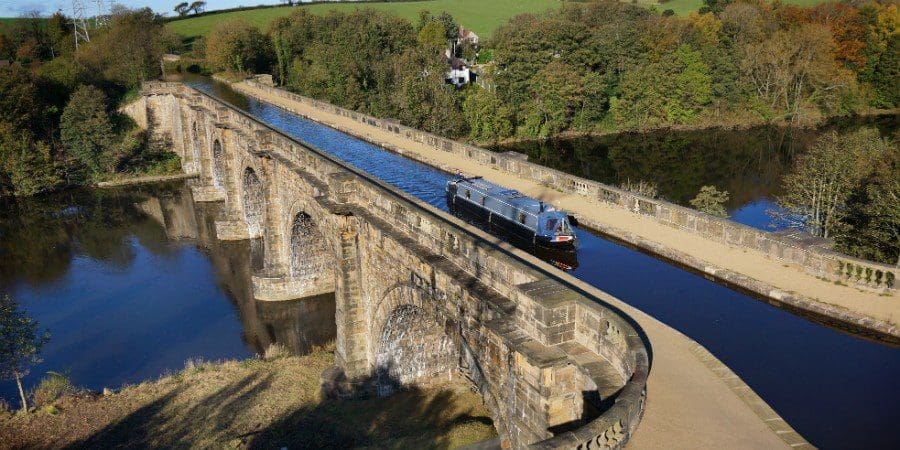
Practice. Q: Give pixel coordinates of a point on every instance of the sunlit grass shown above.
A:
(481, 16)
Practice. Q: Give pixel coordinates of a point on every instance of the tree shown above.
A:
(488, 118)
(873, 212)
(85, 129)
(817, 192)
(182, 9)
(672, 89)
(20, 344)
(129, 50)
(197, 7)
(432, 37)
(795, 70)
(236, 46)
(27, 166)
(711, 201)
(556, 92)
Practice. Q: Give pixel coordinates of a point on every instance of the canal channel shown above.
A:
(127, 297)
(837, 390)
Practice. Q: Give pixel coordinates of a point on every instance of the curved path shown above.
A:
(694, 401)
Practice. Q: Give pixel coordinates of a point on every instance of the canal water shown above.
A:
(837, 390)
(131, 284)
(749, 163)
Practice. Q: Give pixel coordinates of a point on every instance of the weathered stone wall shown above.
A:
(816, 260)
(531, 341)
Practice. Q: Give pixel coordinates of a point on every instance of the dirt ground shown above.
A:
(251, 404)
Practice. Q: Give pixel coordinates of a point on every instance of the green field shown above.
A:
(480, 16)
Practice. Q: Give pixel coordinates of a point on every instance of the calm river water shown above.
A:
(749, 164)
(131, 285)
(146, 304)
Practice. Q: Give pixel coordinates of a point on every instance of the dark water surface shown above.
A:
(837, 390)
(131, 286)
(749, 164)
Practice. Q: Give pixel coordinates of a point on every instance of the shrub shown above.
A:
(275, 351)
(52, 387)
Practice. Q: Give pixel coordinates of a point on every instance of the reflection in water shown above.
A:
(131, 283)
(788, 360)
(749, 164)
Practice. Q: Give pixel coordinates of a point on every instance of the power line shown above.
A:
(81, 29)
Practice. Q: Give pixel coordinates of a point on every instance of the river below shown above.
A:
(748, 163)
(130, 292)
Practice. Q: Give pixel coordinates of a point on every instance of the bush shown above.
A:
(711, 201)
(275, 351)
(52, 387)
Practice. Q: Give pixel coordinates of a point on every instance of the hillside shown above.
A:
(481, 16)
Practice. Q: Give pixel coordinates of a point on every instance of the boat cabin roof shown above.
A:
(503, 200)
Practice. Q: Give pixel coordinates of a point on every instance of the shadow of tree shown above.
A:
(410, 418)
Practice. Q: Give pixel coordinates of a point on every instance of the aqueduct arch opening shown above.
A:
(311, 256)
(254, 199)
(411, 344)
(218, 165)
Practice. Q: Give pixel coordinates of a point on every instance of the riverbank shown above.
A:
(857, 309)
(727, 125)
(252, 404)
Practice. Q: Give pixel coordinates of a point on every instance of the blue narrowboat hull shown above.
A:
(515, 231)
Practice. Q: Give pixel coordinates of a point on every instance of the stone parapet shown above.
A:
(815, 260)
(533, 341)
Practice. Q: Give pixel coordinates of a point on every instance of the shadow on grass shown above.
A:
(410, 418)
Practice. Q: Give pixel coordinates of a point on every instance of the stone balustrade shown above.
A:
(535, 341)
(815, 260)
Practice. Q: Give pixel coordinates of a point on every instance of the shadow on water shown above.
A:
(833, 388)
(748, 163)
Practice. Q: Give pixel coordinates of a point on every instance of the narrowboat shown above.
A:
(521, 218)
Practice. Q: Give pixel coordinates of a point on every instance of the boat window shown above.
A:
(468, 193)
(521, 217)
(551, 224)
(482, 200)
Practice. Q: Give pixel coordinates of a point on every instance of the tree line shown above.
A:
(588, 66)
(58, 121)
(611, 66)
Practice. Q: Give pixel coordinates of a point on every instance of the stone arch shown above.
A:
(254, 201)
(311, 256)
(218, 164)
(412, 344)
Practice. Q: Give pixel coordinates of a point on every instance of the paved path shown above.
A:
(754, 265)
(693, 400)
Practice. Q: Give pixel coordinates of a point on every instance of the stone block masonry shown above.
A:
(419, 295)
(774, 267)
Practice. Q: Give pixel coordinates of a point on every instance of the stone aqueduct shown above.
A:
(420, 296)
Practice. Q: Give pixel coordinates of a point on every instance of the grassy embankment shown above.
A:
(483, 17)
(253, 403)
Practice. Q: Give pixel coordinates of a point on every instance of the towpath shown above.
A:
(867, 308)
(693, 400)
